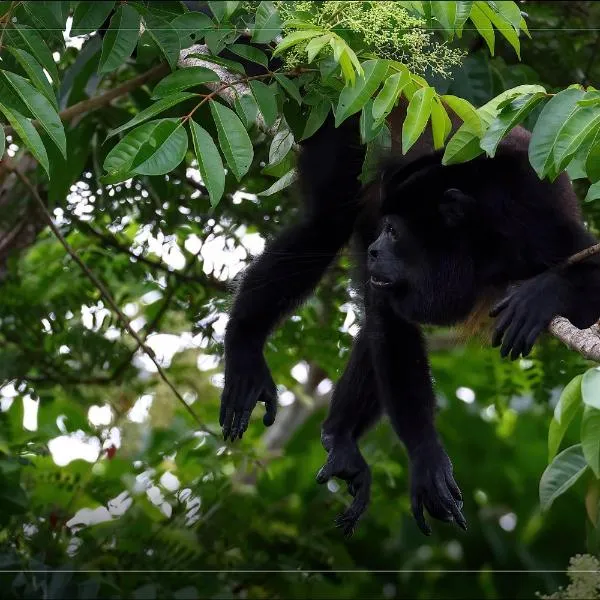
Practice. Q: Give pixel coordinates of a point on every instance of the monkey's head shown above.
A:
(422, 259)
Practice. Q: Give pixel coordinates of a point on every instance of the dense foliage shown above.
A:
(163, 163)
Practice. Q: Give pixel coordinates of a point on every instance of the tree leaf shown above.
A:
(282, 143)
(155, 148)
(35, 73)
(590, 388)
(316, 45)
(246, 109)
(445, 14)
(369, 128)
(547, 128)
(183, 79)
(250, 53)
(509, 118)
(502, 25)
(120, 39)
(295, 38)
(281, 183)
(440, 124)
(267, 24)
(417, 115)
(209, 162)
(88, 16)
(463, 10)
(29, 39)
(28, 134)
(218, 10)
(389, 94)
(353, 98)
(561, 474)
(289, 87)
(592, 161)
(40, 108)
(466, 112)
(483, 26)
(153, 110)
(569, 403)
(593, 192)
(582, 123)
(191, 27)
(233, 139)
(164, 36)
(266, 100)
(316, 118)
(590, 438)
(2, 142)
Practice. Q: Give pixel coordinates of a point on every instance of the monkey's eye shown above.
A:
(389, 230)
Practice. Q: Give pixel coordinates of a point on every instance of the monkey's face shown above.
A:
(423, 269)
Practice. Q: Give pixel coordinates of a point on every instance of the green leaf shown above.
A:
(246, 109)
(590, 388)
(191, 27)
(466, 112)
(593, 192)
(463, 10)
(462, 147)
(316, 45)
(582, 123)
(511, 13)
(547, 128)
(289, 87)
(509, 118)
(164, 36)
(282, 143)
(267, 24)
(592, 161)
(153, 110)
(233, 139)
(120, 39)
(590, 438)
(35, 73)
(440, 124)
(266, 100)
(2, 142)
(88, 16)
(445, 14)
(209, 162)
(569, 404)
(417, 116)
(316, 118)
(218, 9)
(250, 53)
(295, 38)
(232, 65)
(29, 39)
(183, 79)
(28, 134)
(389, 94)
(369, 128)
(353, 98)
(155, 148)
(40, 108)
(230, 7)
(561, 474)
(483, 26)
(281, 183)
(502, 25)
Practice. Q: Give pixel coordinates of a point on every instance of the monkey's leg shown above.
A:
(354, 408)
(406, 392)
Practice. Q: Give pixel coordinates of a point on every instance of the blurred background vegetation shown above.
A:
(105, 477)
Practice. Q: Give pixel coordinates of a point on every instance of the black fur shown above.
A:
(434, 241)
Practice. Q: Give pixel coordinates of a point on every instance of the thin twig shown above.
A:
(107, 297)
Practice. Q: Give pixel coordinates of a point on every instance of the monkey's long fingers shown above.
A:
(501, 326)
(242, 413)
(361, 490)
(417, 511)
(326, 471)
(500, 306)
(448, 502)
(270, 410)
(512, 334)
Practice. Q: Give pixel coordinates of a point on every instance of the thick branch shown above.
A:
(584, 341)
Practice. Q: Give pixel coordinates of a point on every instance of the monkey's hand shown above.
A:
(247, 382)
(433, 486)
(525, 312)
(347, 463)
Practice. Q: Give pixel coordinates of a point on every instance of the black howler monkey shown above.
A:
(433, 241)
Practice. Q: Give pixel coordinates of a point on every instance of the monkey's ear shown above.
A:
(455, 206)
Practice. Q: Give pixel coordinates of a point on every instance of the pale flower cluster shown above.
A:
(584, 573)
